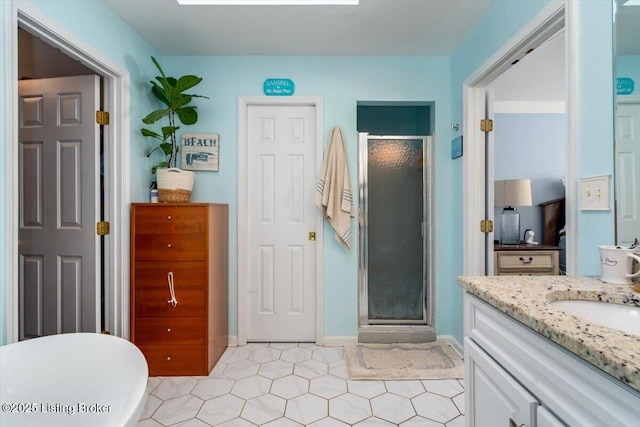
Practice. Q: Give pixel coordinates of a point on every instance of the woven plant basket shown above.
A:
(174, 185)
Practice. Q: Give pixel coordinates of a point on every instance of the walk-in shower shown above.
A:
(396, 298)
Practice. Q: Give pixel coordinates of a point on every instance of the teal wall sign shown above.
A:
(278, 87)
(624, 86)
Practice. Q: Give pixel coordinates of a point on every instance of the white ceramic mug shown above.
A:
(616, 264)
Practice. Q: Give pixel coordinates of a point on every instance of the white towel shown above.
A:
(333, 194)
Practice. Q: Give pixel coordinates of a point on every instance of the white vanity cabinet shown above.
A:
(544, 418)
(516, 377)
(494, 398)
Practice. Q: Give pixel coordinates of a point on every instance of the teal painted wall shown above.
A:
(594, 125)
(342, 81)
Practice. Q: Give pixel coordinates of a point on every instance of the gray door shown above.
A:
(59, 286)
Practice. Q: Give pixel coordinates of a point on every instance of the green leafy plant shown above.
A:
(178, 110)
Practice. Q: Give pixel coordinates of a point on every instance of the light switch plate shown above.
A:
(595, 194)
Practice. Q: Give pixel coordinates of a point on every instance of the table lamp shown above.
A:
(510, 193)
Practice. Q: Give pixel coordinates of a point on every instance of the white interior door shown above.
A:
(281, 258)
(627, 164)
(59, 283)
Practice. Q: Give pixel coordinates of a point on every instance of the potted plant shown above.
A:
(174, 185)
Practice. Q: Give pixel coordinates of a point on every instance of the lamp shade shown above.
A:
(512, 192)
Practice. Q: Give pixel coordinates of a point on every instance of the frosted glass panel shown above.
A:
(395, 241)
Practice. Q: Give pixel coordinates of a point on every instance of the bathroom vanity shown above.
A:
(527, 362)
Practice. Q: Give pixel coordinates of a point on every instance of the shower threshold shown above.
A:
(387, 334)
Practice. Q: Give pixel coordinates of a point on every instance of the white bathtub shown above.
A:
(72, 380)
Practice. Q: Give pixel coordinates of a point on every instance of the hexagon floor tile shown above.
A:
(328, 386)
(393, 408)
(250, 387)
(350, 408)
(264, 409)
(221, 409)
(435, 407)
(293, 385)
(306, 409)
(290, 386)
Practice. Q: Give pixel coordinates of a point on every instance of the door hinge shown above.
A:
(102, 118)
(486, 125)
(102, 228)
(486, 226)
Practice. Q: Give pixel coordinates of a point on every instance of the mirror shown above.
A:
(627, 119)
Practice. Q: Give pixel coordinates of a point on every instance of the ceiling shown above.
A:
(375, 27)
(538, 77)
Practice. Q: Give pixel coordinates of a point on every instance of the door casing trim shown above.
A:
(116, 159)
(244, 102)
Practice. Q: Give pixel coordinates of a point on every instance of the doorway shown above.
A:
(396, 236)
(115, 161)
(60, 281)
(530, 144)
(478, 159)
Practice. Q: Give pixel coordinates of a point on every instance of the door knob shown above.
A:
(312, 235)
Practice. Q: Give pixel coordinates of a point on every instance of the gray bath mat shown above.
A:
(428, 361)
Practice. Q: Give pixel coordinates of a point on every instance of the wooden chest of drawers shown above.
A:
(185, 245)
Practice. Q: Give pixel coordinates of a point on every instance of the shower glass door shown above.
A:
(393, 230)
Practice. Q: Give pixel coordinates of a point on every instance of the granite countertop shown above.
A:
(526, 299)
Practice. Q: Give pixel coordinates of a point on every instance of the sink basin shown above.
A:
(625, 318)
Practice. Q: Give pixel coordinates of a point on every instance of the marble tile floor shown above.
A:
(294, 385)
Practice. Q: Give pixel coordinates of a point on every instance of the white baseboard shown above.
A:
(338, 340)
(328, 341)
(455, 345)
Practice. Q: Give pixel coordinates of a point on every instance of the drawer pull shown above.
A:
(168, 358)
(170, 245)
(172, 291)
(526, 261)
(169, 217)
(168, 330)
